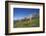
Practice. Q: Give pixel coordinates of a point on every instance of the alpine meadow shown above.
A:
(25, 17)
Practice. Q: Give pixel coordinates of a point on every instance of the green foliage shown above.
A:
(27, 23)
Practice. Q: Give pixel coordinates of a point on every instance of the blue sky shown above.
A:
(21, 12)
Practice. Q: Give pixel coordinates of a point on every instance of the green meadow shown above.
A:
(26, 23)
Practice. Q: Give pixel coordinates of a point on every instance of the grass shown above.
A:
(27, 23)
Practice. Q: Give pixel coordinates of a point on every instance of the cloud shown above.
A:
(19, 18)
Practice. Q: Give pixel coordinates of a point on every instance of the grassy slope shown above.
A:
(32, 23)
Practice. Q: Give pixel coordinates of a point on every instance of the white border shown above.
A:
(19, 5)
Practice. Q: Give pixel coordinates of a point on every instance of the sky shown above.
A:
(21, 12)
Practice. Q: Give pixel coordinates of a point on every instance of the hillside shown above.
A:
(28, 21)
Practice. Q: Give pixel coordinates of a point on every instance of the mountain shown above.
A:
(32, 16)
